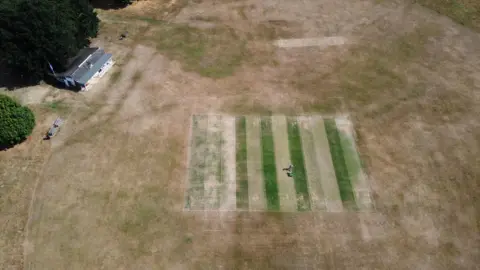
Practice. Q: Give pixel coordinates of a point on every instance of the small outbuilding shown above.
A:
(87, 64)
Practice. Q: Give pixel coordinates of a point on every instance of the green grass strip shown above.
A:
(269, 168)
(338, 158)
(241, 163)
(299, 174)
(219, 158)
(197, 163)
(352, 159)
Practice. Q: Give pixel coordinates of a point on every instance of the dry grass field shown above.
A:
(465, 12)
(108, 192)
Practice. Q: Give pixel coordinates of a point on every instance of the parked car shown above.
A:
(55, 128)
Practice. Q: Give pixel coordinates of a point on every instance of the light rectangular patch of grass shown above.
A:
(299, 174)
(241, 163)
(196, 179)
(214, 171)
(338, 158)
(269, 166)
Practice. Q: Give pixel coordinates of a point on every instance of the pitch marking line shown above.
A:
(323, 42)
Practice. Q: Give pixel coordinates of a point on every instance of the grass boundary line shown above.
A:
(28, 223)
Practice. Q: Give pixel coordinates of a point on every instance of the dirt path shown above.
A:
(311, 164)
(327, 172)
(286, 187)
(213, 163)
(352, 160)
(256, 191)
(229, 198)
(198, 150)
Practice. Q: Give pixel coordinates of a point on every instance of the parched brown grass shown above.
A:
(111, 186)
(213, 52)
(20, 167)
(466, 12)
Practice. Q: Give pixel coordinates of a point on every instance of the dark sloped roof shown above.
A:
(87, 62)
(80, 57)
(74, 62)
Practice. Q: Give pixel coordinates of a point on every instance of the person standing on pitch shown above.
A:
(289, 170)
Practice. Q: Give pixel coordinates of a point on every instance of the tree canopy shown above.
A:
(16, 121)
(123, 2)
(110, 4)
(36, 32)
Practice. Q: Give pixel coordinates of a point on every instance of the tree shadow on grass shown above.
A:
(6, 146)
(57, 84)
(11, 81)
(107, 4)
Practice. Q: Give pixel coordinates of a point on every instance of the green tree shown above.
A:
(16, 121)
(35, 32)
(86, 21)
